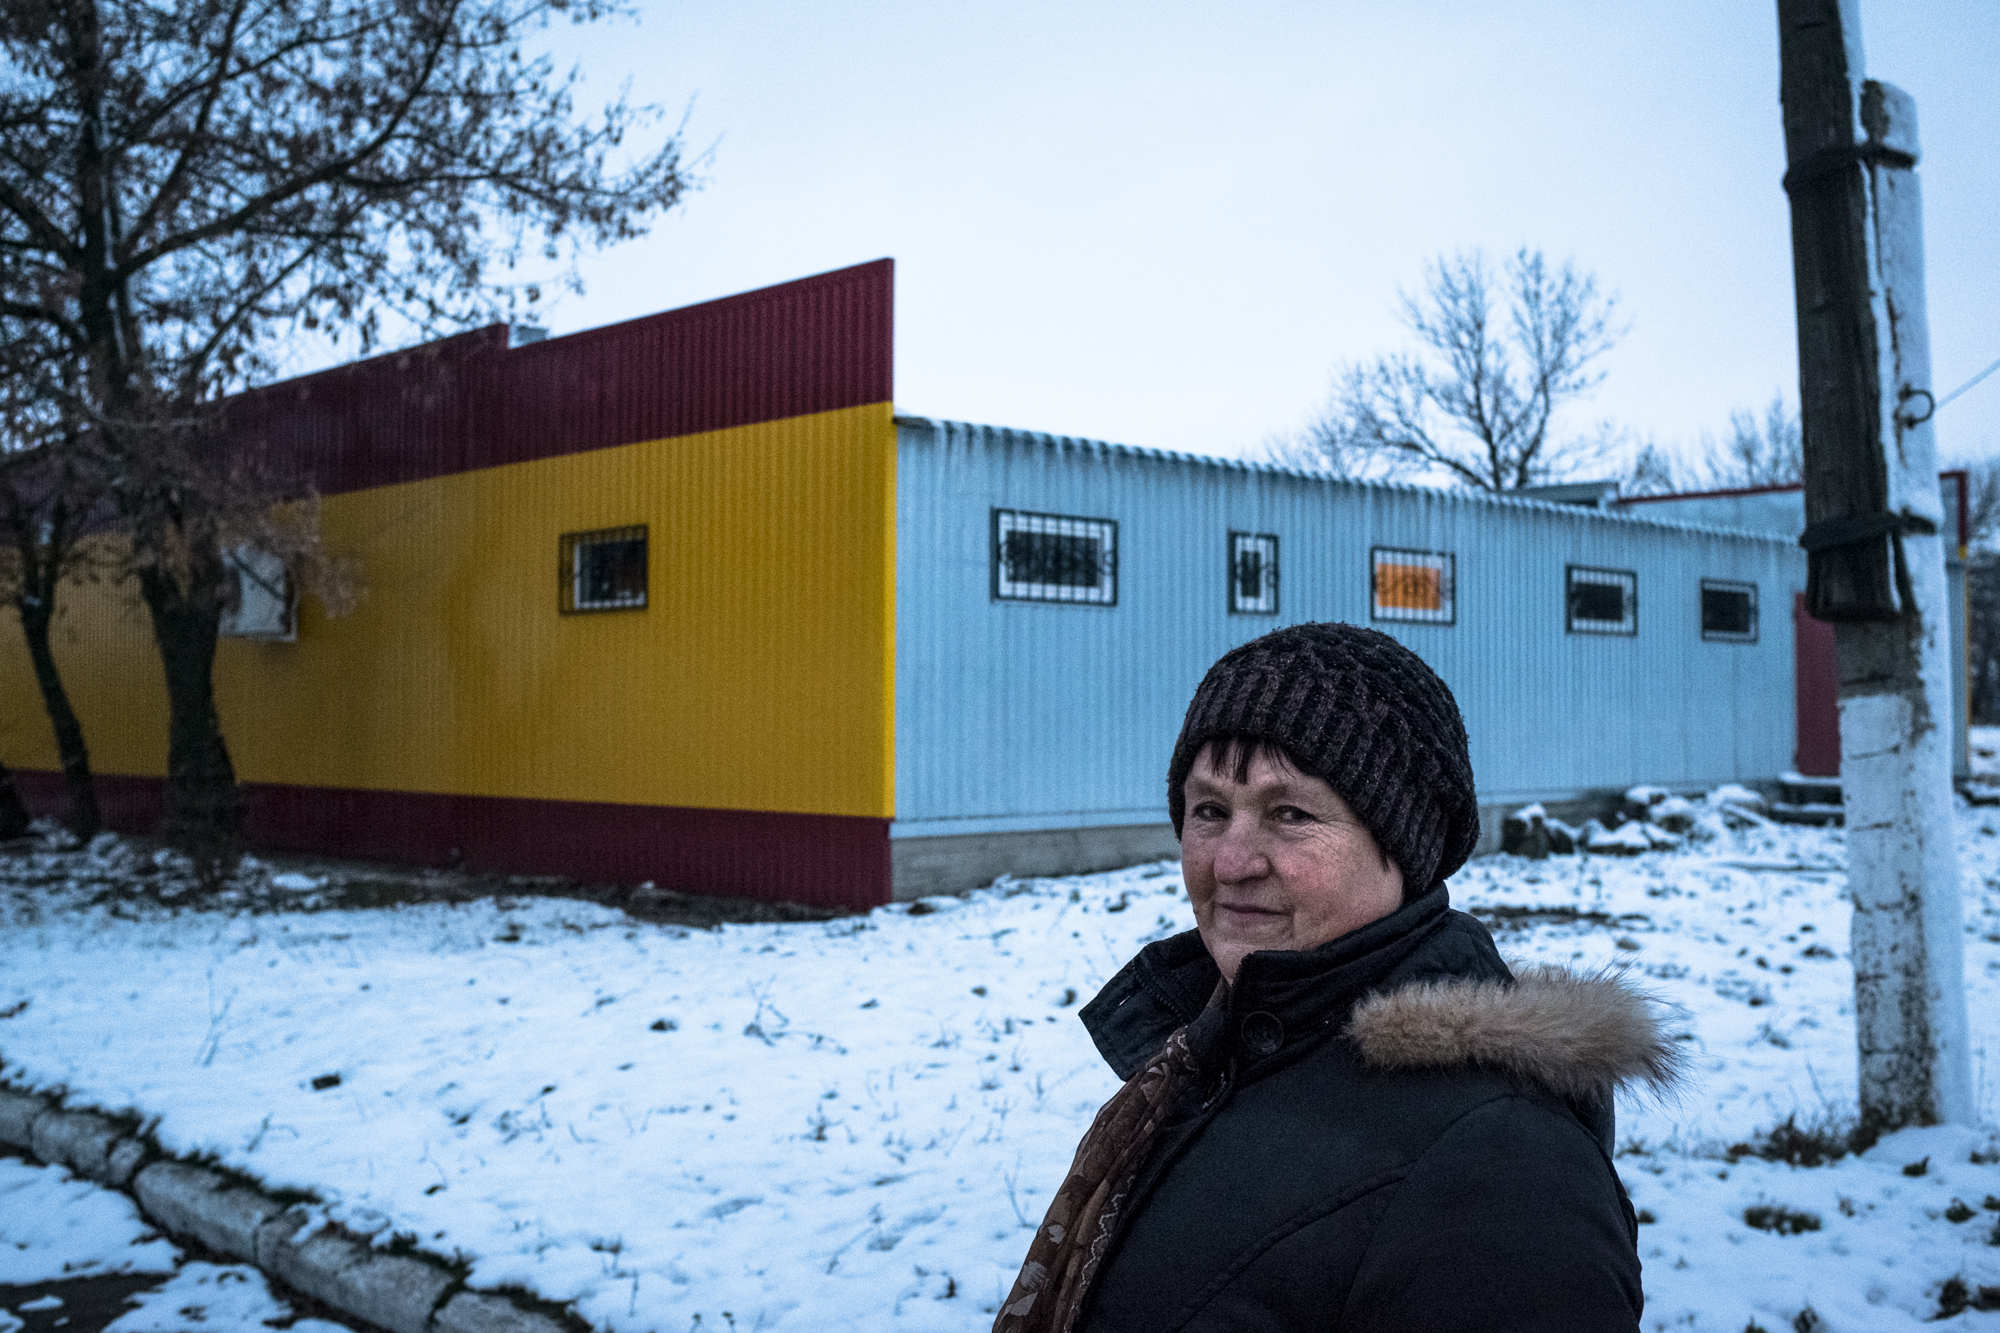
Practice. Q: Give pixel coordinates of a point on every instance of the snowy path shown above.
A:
(850, 1124)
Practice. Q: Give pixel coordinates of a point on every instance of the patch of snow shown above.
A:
(1730, 793)
(854, 1123)
(1629, 838)
(213, 1297)
(54, 1226)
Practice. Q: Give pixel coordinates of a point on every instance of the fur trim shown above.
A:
(1576, 1034)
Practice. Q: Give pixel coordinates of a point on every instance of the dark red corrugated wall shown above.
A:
(1816, 677)
(815, 345)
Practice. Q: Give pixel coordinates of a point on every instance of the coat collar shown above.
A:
(1421, 988)
(1307, 993)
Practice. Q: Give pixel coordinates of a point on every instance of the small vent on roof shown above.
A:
(1587, 494)
(520, 335)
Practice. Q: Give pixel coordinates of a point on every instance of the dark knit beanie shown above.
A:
(1358, 710)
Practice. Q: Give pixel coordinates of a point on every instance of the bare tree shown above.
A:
(1754, 452)
(185, 180)
(1498, 356)
(48, 497)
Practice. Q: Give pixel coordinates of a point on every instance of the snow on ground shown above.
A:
(57, 1230)
(854, 1123)
(53, 1226)
(212, 1298)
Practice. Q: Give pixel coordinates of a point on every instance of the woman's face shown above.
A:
(1277, 861)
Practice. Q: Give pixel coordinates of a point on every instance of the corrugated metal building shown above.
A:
(1023, 719)
(681, 599)
(1782, 510)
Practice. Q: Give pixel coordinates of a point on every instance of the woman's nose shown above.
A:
(1239, 855)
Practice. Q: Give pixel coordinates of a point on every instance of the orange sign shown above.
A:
(1409, 587)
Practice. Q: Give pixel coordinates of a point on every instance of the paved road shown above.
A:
(78, 1258)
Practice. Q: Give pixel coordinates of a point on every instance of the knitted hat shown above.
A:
(1352, 707)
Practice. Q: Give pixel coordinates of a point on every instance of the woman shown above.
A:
(1342, 1111)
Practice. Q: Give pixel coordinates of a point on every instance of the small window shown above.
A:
(604, 570)
(1728, 611)
(258, 599)
(1253, 574)
(1418, 586)
(1054, 558)
(1602, 601)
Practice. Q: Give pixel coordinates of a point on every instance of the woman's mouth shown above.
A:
(1246, 911)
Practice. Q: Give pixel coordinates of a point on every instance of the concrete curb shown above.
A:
(403, 1293)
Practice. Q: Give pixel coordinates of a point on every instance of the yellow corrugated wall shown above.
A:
(760, 676)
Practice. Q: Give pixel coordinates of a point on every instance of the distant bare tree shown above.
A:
(1498, 356)
(1754, 452)
(1653, 471)
(1770, 452)
(1982, 504)
(187, 181)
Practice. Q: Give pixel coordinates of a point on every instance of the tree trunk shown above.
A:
(13, 815)
(204, 810)
(80, 815)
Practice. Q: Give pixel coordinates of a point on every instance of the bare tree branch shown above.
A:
(182, 182)
(1497, 359)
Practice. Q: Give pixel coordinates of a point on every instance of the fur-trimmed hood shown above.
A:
(1577, 1034)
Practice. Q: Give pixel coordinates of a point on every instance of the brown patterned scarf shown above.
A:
(1071, 1242)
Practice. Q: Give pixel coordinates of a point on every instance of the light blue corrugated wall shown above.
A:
(1038, 715)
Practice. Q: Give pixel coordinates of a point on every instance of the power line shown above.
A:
(1967, 385)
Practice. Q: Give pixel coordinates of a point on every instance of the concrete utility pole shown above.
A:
(1876, 568)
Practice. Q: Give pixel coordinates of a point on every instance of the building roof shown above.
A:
(1043, 439)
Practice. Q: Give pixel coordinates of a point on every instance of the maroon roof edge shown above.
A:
(470, 401)
(1709, 495)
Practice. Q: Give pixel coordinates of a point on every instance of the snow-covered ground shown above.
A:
(57, 1231)
(853, 1123)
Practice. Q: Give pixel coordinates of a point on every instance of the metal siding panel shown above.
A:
(1027, 715)
(816, 345)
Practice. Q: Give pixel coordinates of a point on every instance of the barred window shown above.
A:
(259, 599)
(1054, 558)
(1419, 586)
(1601, 601)
(604, 570)
(1253, 573)
(1728, 611)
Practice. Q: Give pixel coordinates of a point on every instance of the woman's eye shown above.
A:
(1209, 810)
(1291, 814)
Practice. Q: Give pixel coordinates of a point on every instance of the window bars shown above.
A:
(603, 570)
(1253, 574)
(1413, 586)
(1728, 611)
(1600, 601)
(1054, 558)
(259, 599)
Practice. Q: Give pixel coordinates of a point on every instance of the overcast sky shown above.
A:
(1165, 224)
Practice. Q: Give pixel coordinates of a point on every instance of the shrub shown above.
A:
(1780, 1220)
(1794, 1144)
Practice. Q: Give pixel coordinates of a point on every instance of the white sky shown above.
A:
(1164, 224)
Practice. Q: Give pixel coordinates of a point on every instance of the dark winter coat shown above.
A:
(1390, 1133)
